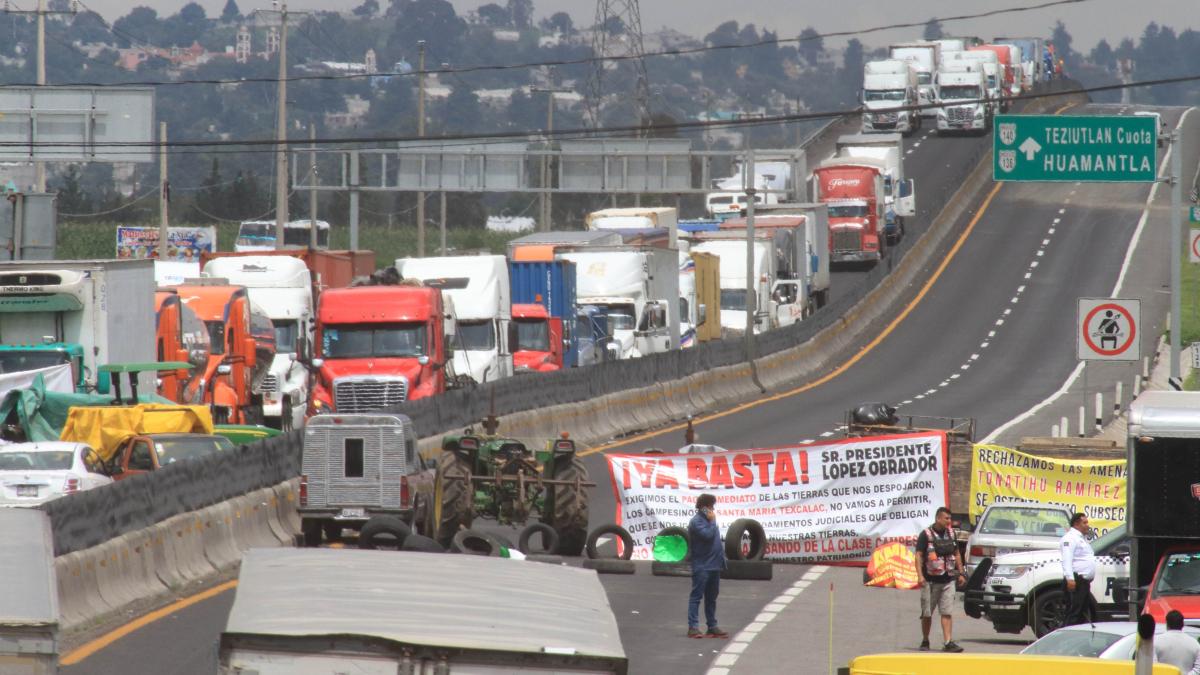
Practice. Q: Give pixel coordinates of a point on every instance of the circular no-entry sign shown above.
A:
(1108, 329)
(1194, 246)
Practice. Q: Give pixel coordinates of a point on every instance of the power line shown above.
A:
(570, 62)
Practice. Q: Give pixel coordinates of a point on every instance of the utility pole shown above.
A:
(39, 166)
(281, 159)
(546, 205)
(164, 193)
(421, 134)
(312, 181)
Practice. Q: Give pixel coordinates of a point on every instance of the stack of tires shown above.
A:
(745, 546)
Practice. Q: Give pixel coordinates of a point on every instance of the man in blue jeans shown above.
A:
(708, 559)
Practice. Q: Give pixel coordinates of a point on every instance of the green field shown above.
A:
(1189, 316)
(79, 241)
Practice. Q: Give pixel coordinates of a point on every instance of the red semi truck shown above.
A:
(854, 194)
(539, 339)
(378, 346)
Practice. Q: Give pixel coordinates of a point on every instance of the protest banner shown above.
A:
(831, 502)
(184, 244)
(1095, 488)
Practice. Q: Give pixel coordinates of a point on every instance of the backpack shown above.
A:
(944, 548)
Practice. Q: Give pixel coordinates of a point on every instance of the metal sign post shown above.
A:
(1176, 254)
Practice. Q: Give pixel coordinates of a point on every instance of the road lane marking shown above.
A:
(846, 365)
(1133, 243)
(1028, 274)
(83, 651)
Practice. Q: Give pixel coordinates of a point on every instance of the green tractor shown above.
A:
(488, 476)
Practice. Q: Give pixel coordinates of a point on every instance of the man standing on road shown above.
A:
(708, 559)
(1176, 647)
(1078, 567)
(937, 553)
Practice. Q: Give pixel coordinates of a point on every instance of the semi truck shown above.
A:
(379, 346)
(310, 611)
(638, 288)
(926, 58)
(888, 85)
(853, 193)
(899, 193)
(961, 89)
(814, 270)
(774, 182)
(479, 294)
(637, 218)
(543, 310)
(182, 337)
(775, 302)
(1031, 57)
(1008, 81)
(542, 246)
(988, 64)
(85, 313)
(259, 235)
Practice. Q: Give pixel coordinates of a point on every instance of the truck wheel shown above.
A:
(1049, 611)
(383, 532)
(452, 497)
(569, 512)
(312, 530)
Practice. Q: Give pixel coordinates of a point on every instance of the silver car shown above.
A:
(1009, 527)
(1113, 640)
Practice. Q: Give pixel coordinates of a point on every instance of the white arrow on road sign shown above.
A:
(1030, 147)
(1107, 329)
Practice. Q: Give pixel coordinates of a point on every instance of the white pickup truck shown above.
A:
(1026, 588)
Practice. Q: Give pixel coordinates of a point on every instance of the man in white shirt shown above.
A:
(1079, 568)
(1175, 647)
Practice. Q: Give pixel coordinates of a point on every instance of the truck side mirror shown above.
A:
(251, 348)
(513, 342)
(318, 362)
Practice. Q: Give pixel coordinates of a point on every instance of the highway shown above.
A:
(990, 338)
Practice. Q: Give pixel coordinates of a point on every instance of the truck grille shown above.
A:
(270, 385)
(846, 240)
(368, 394)
(960, 115)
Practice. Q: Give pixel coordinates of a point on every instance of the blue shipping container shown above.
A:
(551, 285)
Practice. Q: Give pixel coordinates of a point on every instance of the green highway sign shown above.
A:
(1194, 212)
(1091, 148)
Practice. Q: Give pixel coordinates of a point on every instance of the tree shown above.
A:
(431, 20)
(141, 23)
(368, 9)
(559, 22)
(933, 30)
(521, 12)
(1061, 40)
(811, 45)
(494, 15)
(71, 196)
(852, 67)
(231, 13)
(1102, 55)
(210, 202)
(462, 113)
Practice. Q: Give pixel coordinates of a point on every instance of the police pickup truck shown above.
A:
(1027, 589)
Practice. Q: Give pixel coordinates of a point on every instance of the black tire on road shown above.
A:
(453, 497)
(386, 532)
(614, 529)
(733, 539)
(549, 538)
(676, 531)
(610, 565)
(311, 530)
(421, 544)
(748, 570)
(471, 542)
(666, 569)
(1049, 611)
(569, 508)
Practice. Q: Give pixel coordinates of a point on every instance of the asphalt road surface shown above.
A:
(990, 339)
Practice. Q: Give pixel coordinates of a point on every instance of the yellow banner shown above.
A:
(1093, 487)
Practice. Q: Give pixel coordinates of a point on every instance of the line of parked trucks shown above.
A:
(959, 82)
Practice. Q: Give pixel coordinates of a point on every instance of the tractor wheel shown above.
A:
(453, 497)
(569, 512)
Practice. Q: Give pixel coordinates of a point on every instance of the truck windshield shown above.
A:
(958, 92)
(361, 341)
(620, 317)
(285, 336)
(179, 448)
(16, 361)
(476, 336)
(848, 211)
(1180, 574)
(883, 94)
(216, 337)
(299, 236)
(924, 77)
(533, 335)
(734, 299)
(1025, 520)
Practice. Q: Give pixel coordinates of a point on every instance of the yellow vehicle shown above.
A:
(992, 664)
(107, 428)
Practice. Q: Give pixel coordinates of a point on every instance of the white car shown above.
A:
(1008, 527)
(1026, 588)
(1111, 640)
(34, 473)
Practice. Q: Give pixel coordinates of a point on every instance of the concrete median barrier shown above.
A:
(220, 549)
(286, 495)
(163, 556)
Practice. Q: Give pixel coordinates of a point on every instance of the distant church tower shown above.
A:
(370, 62)
(272, 40)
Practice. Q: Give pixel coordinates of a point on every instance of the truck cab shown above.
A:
(259, 235)
(775, 302)
(281, 286)
(379, 346)
(179, 336)
(855, 197)
(961, 92)
(926, 60)
(151, 452)
(888, 85)
(539, 340)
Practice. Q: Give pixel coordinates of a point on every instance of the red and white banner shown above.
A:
(830, 502)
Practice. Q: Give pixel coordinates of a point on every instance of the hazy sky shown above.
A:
(1087, 22)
